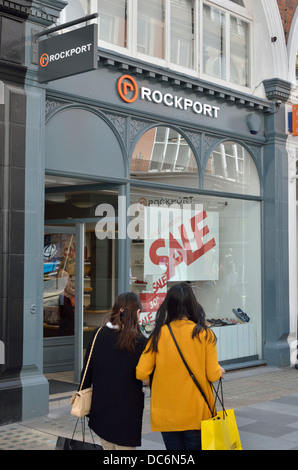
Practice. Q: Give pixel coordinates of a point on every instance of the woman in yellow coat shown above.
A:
(177, 406)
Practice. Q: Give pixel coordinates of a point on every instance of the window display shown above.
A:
(213, 243)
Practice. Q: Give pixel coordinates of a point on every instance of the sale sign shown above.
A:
(179, 245)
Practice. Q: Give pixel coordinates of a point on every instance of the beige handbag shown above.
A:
(81, 400)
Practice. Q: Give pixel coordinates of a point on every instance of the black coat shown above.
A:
(117, 399)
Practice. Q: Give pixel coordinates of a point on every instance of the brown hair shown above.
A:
(124, 316)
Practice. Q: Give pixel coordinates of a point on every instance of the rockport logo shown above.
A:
(45, 59)
(129, 92)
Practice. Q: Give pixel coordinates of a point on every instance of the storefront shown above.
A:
(163, 164)
(154, 179)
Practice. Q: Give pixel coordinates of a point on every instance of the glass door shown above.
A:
(82, 270)
(63, 299)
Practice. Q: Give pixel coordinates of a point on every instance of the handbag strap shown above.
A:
(85, 371)
(190, 372)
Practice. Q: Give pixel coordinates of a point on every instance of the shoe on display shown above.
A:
(243, 317)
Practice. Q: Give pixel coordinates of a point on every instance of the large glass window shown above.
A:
(213, 244)
(163, 151)
(208, 39)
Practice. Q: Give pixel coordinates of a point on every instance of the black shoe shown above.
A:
(243, 317)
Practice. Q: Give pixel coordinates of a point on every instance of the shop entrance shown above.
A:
(80, 274)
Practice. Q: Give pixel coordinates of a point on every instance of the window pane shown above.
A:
(112, 21)
(230, 168)
(151, 27)
(163, 151)
(59, 283)
(214, 42)
(182, 32)
(214, 245)
(239, 52)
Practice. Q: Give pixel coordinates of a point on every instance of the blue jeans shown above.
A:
(182, 440)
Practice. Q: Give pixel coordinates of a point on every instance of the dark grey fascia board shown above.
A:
(127, 64)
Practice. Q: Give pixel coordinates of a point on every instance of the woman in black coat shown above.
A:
(117, 399)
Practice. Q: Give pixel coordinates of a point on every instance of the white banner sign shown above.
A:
(180, 245)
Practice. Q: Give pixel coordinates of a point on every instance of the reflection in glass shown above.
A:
(239, 67)
(59, 292)
(151, 28)
(214, 42)
(225, 275)
(182, 33)
(230, 168)
(112, 21)
(163, 150)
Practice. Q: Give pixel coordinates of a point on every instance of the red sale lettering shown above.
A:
(162, 282)
(178, 253)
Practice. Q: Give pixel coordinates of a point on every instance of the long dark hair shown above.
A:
(124, 316)
(180, 302)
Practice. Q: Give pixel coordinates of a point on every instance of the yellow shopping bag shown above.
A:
(221, 432)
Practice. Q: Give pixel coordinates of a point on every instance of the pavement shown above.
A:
(265, 401)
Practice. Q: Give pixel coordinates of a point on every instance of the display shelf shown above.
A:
(235, 341)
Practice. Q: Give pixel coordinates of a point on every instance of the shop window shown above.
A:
(163, 151)
(214, 245)
(231, 169)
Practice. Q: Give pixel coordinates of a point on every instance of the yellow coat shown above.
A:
(176, 402)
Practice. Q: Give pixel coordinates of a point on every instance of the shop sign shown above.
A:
(129, 92)
(295, 119)
(68, 54)
(180, 245)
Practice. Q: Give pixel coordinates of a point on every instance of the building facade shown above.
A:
(172, 161)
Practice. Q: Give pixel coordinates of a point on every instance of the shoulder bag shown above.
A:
(81, 400)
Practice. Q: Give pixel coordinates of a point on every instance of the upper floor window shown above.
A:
(207, 38)
(225, 46)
